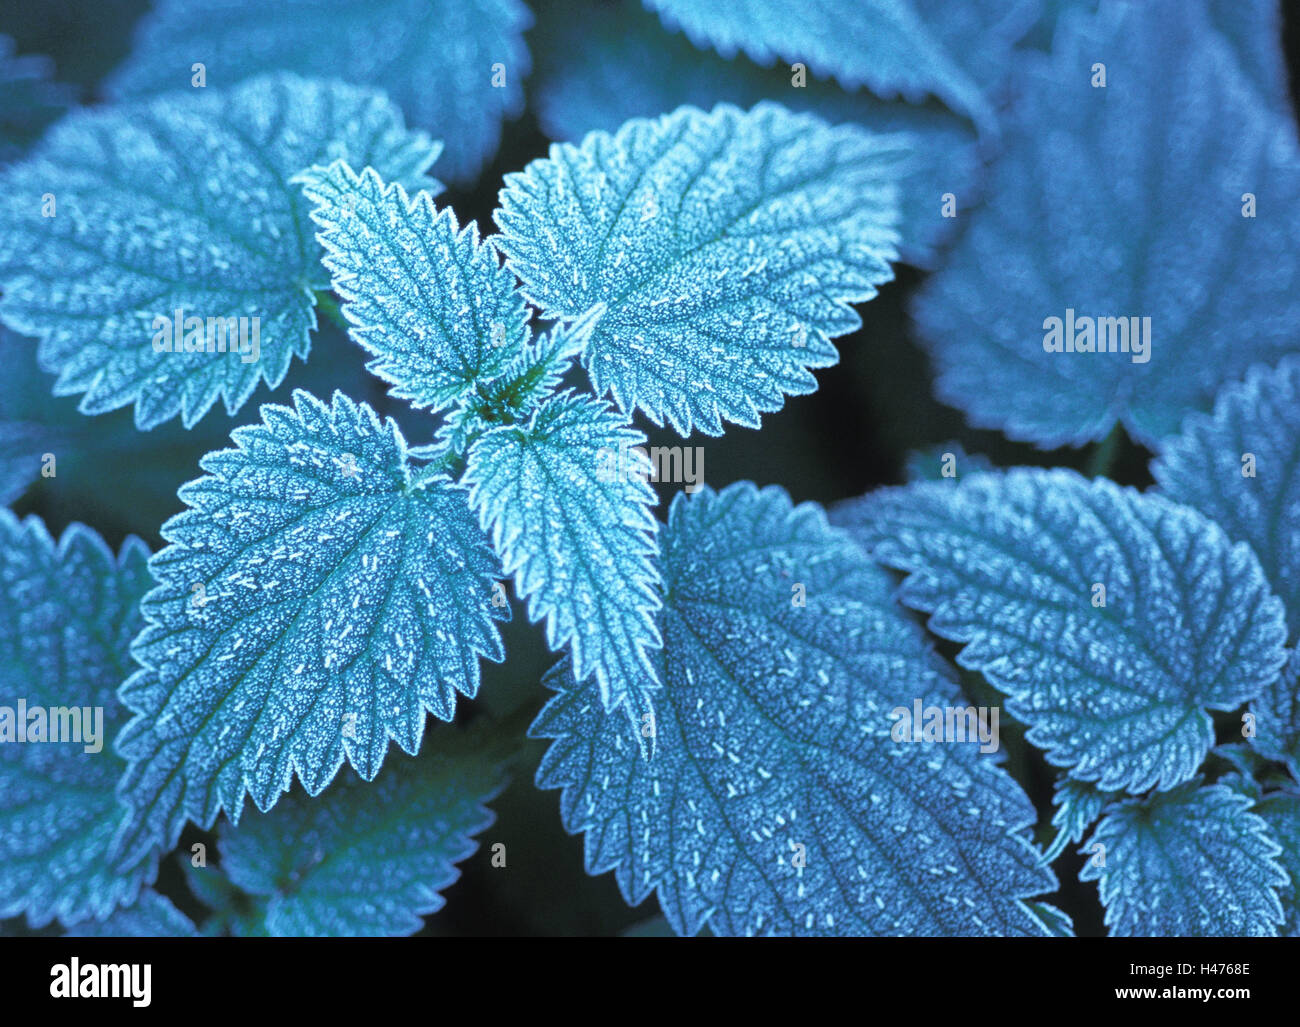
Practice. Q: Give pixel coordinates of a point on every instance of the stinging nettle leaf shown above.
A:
(566, 499)
(1281, 812)
(68, 612)
(455, 67)
(426, 297)
(1112, 619)
(1240, 466)
(615, 62)
(1194, 861)
(363, 859)
(1199, 235)
(151, 915)
(725, 246)
(313, 604)
(774, 800)
(183, 204)
(882, 44)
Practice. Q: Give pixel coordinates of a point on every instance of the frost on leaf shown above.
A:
(174, 219)
(1077, 804)
(1194, 861)
(363, 859)
(885, 45)
(1111, 619)
(1281, 812)
(430, 301)
(566, 499)
(727, 248)
(785, 660)
(615, 62)
(151, 915)
(1240, 467)
(313, 604)
(1171, 240)
(68, 612)
(455, 67)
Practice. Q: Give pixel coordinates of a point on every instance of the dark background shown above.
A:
(847, 438)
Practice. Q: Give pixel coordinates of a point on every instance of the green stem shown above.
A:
(329, 306)
(1103, 457)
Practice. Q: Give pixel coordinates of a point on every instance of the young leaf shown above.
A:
(126, 221)
(29, 100)
(775, 800)
(68, 614)
(1111, 619)
(364, 859)
(1077, 804)
(726, 247)
(313, 604)
(427, 298)
(566, 500)
(1193, 861)
(1281, 812)
(1241, 468)
(1199, 235)
(615, 62)
(882, 44)
(150, 916)
(455, 67)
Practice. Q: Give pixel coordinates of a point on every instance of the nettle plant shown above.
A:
(731, 721)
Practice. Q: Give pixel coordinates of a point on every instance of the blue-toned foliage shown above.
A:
(455, 67)
(616, 62)
(1112, 619)
(150, 916)
(69, 612)
(1277, 717)
(566, 498)
(29, 99)
(726, 247)
(890, 46)
(1281, 812)
(946, 461)
(1191, 861)
(1240, 467)
(784, 657)
(1077, 804)
(314, 603)
(363, 859)
(183, 204)
(1165, 240)
(426, 297)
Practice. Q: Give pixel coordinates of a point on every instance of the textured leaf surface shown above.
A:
(1281, 812)
(312, 605)
(29, 99)
(1277, 716)
(1166, 240)
(435, 58)
(426, 297)
(1240, 467)
(566, 500)
(772, 748)
(1009, 563)
(364, 859)
(1187, 863)
(183, 203)
(149, 916)
(612, 63)
(1077, 804)
(726, 247)
(68, 611)
(882, 44)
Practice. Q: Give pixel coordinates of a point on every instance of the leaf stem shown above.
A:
(329, 306)
(1103, 457)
